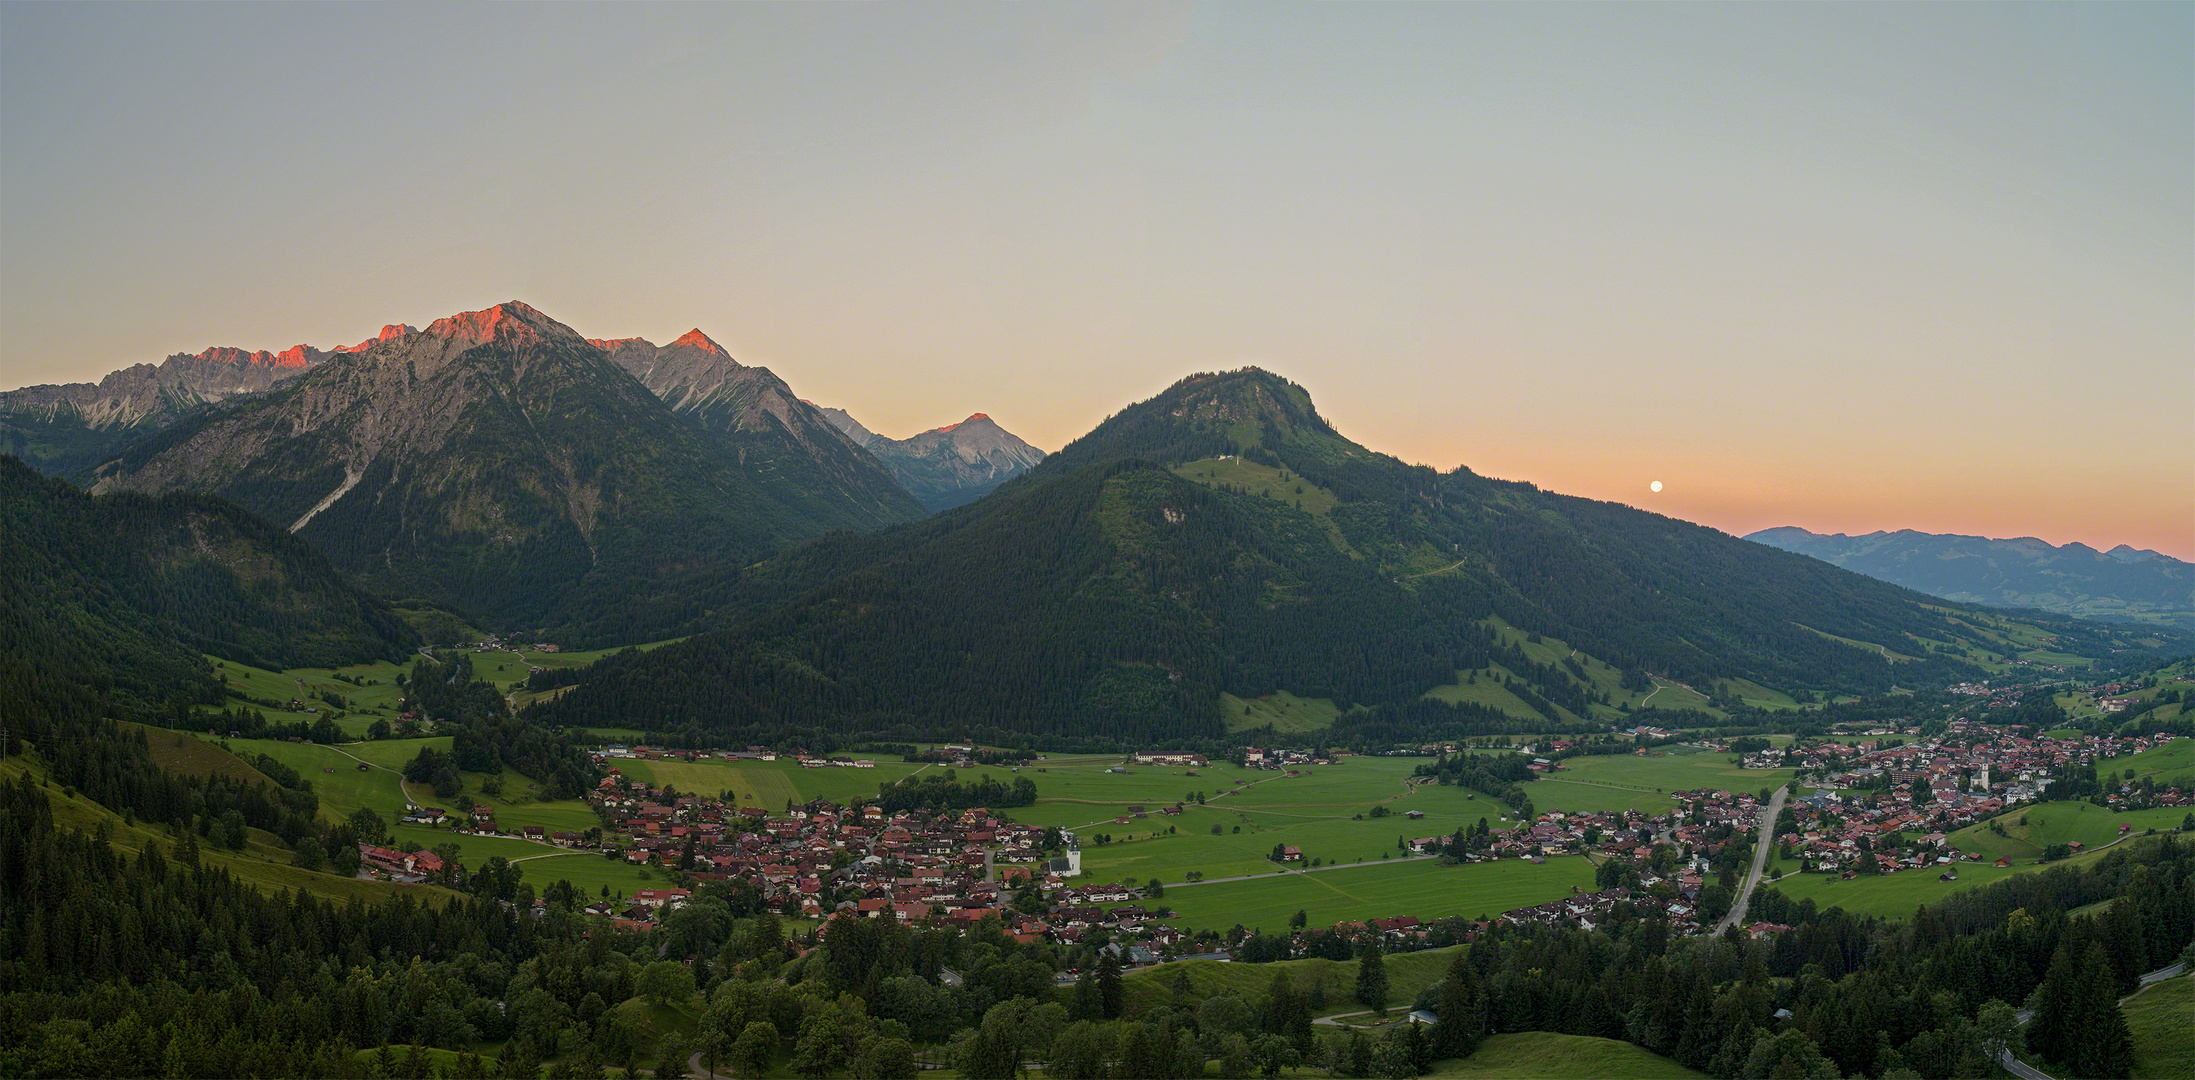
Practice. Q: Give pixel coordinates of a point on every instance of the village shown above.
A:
(1873, 808)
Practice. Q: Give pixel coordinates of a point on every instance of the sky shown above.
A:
(1847, 267)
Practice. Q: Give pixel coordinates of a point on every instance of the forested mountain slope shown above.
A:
(1116, 589)
(108, 603)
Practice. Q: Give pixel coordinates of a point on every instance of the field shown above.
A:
(1897, 896)
(1533, 1055)
(1420, 887)
(2164, 1040)
(2172, 763)
(375, 700)
(1629, 782)
(1326, 811)
(2057, 823)
(769, 784)
(1407, 974)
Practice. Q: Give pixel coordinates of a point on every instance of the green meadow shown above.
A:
(1897, 896)
(2057, 823)
(344, 788)
(264, 862)
(1618, 782)
(2172, 763)
(1544, 1055)
(1420, 887)
(1407, 974)
(2164, 1039)
(769, 784)
(1326, 810)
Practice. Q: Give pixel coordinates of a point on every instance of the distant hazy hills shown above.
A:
(1222, 537)
(2121, 584)
(948, 466)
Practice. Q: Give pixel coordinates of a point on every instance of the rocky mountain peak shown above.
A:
(973, 418)
(510, 323)
(695, 339)
(388, 333)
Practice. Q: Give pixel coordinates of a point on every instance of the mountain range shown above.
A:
(2123, 584)
(62, 428)
(1222, 539)
(498, 465)
(1217, 544)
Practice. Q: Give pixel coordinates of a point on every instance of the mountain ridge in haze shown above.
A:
(2124, 583)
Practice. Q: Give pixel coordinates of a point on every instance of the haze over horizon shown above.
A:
(1845, 268)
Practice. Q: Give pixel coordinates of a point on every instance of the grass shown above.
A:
(264, 863)
(1279, 485)
(1534, 1055)
(1484, 687)
(2057, 823)
(2164, 1040)
(1407, 974)
(189, 755)
(1282, 711)
(1318, 811)
(1616, 782)
(2172, 763)
(342, 791)
(768, 784)
(1423, 888)
(1899, 895)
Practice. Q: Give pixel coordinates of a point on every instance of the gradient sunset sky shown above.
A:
(1849, 267)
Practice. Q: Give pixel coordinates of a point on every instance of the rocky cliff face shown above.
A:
(64, 427)
(845, 422)
(500, 464)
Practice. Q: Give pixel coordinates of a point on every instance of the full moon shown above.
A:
(1655, 486)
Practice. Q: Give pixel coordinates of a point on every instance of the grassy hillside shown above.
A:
(2164, 1036)
(264, 862)
(1897, 896)
(1541, 1055)
(2172, 763)
(2027, 831)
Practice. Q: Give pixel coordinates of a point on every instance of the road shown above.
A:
(1760, 862)
(2025, 1071)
